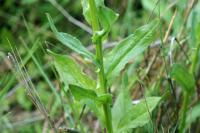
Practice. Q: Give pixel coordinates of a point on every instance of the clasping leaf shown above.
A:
(106, 16)
(80, 93)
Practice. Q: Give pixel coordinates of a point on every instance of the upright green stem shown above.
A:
(99, 57)
(183, 112)
(195, 59)
(186, 94)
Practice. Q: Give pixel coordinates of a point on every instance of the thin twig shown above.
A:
(182, 49)
(147, 106)
(70, 18)
(170, 27)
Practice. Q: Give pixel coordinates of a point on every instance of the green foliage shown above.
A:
(96, 94)
(140, 113)
(27, 2)
(71, 73)
(105, 15)
(193, 24)
(187, 82)
(161, 5)
(86, 8)
(22, 99)
(83, 94)
(127, 116)
(70, 41)
(83, 88)
(183, 77)
(128, 49)
(192, 115)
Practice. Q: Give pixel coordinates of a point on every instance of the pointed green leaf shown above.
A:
(104, 98)
(192, 115)
(106, 15)
(121, 107)
(80, 93)
(70, 72)
(70, 41)
(181, 75)
(128, 49)
(86, 8)
(91, 99)
(138, 115)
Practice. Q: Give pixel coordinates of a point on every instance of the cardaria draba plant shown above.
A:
(123, 116)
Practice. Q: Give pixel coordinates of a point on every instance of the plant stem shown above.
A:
(183, 113)
(186, 94)
(195, 60)
(99, 57)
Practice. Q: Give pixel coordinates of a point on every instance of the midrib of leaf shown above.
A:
(183, 77)
(70, 41)
(129, 48)
(133, 124)
(72, 74)
(137, 112)
(80, 78)
(121, 108)
(86, 93)
(85, 53)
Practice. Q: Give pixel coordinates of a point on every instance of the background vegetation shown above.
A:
(169, 68)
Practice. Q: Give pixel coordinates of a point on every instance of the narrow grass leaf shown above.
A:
(30, 88)
(181, 75)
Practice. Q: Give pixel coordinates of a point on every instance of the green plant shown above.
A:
(187, 82)
(115, 84)
(94, 94)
